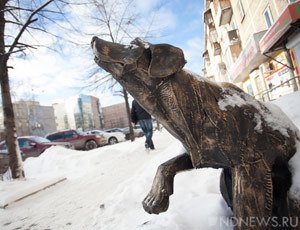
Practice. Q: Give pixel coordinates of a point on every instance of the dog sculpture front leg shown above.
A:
(157, 200)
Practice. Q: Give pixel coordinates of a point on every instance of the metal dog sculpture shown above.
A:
(219, 125)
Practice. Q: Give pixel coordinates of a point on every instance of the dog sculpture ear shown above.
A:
(165, 61)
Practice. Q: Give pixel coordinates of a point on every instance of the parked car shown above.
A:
(138, 132)
(110, 138)
(112, 130)
(33, 146)
(4, 163)
(30, 146)
(79, 140)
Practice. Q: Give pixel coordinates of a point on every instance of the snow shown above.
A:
(290, 105)
(105, 187)
(272, 115)
(233, 100)
(13, 192)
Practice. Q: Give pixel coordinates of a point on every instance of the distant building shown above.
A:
(61, 117)
(32, 118)
(115, 116)
(253, 44)
(82, 112)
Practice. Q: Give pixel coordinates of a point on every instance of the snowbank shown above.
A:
(290, 105)
(105, 188)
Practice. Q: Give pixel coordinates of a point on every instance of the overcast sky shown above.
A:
(53, 76)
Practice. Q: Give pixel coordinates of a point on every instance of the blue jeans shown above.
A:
(147, 127)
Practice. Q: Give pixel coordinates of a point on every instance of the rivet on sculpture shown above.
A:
(219, 125)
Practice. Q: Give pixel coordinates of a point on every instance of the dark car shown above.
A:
(79, 140)
(30, 146)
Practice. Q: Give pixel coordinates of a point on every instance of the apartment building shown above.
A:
(254, 44)
(81, 112)
(32, 118)
(115, 116)
(61, 117)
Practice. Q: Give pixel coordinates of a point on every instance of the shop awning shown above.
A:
(249, 59)
(285, 25)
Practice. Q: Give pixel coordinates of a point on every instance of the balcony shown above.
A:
(233, 37)
(234, 44)
(213, 35)
(217, 48)
(224, 12)
(222, 68)
(205, 55)
(235, 50)
(209, 21)
(207, 4)
(208, 18)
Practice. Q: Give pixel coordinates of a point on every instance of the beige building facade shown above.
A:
(115, 116)
(32, 118)
(251, 44)
(82, 112)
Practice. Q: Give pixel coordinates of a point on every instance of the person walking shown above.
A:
(141, 116)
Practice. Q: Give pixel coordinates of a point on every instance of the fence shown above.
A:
(266, 95)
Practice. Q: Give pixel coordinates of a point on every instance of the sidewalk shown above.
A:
(13, 191)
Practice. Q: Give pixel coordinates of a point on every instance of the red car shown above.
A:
(32, 146)
(79, 140)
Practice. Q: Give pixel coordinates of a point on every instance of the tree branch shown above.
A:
(26, 45)
(28, 22)
(15, 51)
(13, 22)
(14, 16)
(10, 8)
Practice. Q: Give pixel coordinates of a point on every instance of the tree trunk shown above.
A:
(15, 159)
(131, 133)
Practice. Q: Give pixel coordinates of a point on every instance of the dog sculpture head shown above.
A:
(154, 61)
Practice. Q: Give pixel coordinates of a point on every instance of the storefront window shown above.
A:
(259, 84)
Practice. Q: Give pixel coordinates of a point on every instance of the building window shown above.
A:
(233, 25)
(241, 10)
(268, 17)
(291, 1)
(250, 89)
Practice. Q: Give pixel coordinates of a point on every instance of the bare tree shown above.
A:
(16, 19)
(117, 21)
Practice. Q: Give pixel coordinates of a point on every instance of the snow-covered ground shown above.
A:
(105, 187)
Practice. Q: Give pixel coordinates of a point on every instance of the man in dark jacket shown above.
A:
(139, 115)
